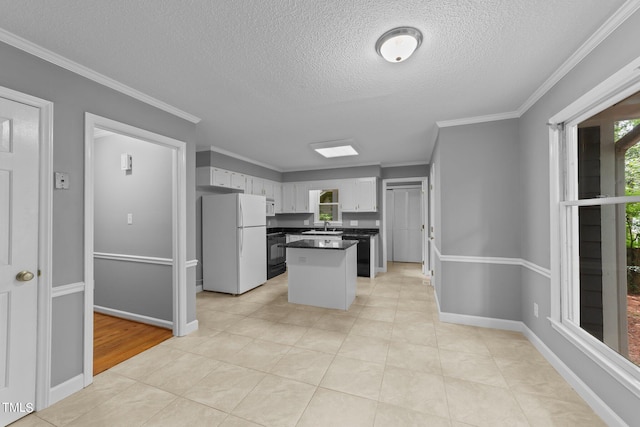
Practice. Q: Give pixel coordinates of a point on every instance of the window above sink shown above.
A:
(326, 207)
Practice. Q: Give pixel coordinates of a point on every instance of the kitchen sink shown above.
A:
(321, 232)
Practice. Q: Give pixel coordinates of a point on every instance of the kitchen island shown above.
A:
(322, 273)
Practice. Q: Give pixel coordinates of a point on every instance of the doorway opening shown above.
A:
(135, 228)
(405, 213)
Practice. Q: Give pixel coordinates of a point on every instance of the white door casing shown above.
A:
(431, 222)
(407, 223)
(179, 227)
(19, 217)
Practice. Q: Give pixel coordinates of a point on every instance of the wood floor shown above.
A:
(116, 340)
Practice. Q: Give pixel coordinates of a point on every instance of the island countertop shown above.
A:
(321, 244)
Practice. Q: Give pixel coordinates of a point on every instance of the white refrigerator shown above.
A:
(234, 242)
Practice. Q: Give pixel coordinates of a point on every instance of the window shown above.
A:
(327, 207)
(596, 214)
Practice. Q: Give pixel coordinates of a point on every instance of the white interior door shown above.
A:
(19, 132)
(407, 245)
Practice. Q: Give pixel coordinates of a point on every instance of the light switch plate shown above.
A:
(306, 222)
(61, 180)
(353, 222)
(377, 223)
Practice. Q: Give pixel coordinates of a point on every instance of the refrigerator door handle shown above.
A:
(241, 239)
(241, 215)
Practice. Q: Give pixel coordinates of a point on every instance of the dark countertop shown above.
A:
(321, 244)
(345, 231)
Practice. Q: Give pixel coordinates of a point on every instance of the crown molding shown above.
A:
(398, 165)
(478, 119)
(605, 30)
(56, 59)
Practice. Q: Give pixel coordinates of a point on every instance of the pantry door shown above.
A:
(19, 148)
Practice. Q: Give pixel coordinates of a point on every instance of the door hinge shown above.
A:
(39, 273)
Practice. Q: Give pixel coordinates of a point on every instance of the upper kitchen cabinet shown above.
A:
(268, 189)
(254, 185)
(302, 197)
(238, 181)
(359, 195)
(261, 187)
(277, 197)
(288, 197)
(295, 197)
(213, 176)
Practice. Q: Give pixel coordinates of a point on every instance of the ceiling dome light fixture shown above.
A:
(398, 44)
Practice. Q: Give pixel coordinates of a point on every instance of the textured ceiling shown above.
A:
(269, 77)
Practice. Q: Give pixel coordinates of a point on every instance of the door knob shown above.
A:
(24, 276)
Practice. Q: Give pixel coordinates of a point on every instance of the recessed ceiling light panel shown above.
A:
(331, 149)
(399, 44)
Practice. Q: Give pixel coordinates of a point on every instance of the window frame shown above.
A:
(563, 220)
(316, 208)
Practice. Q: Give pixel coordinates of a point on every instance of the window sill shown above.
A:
(619, 368)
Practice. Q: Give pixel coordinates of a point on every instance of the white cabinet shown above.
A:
(347, 195)
(277, 196)
(295, 197)
(359, 195)
(221, 178)
(254, 186)
(356, 194)
(238, 181)
(367, 194)
(288, 197)
(302, 197)
(267, 189)
(211, 176)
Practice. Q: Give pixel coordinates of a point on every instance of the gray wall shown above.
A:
(405, 171)
(478, 188)
(337, 173)
(213, 158)
(145, 192)
(72, 96)
(492, 199)
(611, 55)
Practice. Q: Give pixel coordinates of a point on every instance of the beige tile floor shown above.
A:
(259, 361)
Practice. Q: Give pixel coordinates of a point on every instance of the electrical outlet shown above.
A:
(129, 218)
(535, 309)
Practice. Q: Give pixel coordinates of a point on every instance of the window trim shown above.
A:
(316, 209)
(562, 161)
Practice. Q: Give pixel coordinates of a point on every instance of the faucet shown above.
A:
(326, 223)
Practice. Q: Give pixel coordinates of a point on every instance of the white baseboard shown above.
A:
(483, 322)
(135, 317)
(199, 288)
(66, 389)
(592, 399)
(191, 327)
